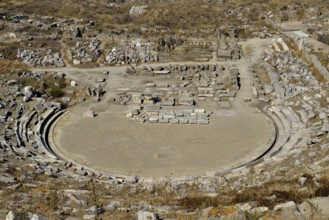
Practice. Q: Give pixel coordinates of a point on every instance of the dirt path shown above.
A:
(252, 50)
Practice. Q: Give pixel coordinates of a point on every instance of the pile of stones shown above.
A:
(132, 53)
(85, 52)
(36, 58)
(180, 86)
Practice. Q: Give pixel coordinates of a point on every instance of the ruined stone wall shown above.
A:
(313, 59)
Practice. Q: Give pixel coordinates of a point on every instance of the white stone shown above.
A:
(89, 217)
(284, 205)
(73, 83)
(144, 215)
(10, 215)
(137, 10)
(76, 62)
(246, 207)
(37, 217)
(89, 114)
(302, 180)
(199, 110)
(259, 209)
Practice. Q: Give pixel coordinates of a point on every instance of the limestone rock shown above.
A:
(288, 210)
(284, 206)
(144, 215)
(89, 114)
(137, 10)
(111, 206)
(321, 204)
(89, 217)
(16, 216)
(37, 217)
(28, 92)
(238, 215)
(66, 100)
(73, 83)
(306, 210)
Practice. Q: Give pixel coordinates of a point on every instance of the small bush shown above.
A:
(55, 91)
(49, 85)
(193, 202)
(125, 18)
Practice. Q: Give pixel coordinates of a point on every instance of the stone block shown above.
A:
(164, 120)
(89, 114)
(183, 120)
(174, 121)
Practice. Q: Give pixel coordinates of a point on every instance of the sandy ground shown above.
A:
(110, 142)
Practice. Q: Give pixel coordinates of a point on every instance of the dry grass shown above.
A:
(181, 15)
(195, 201)
(262, 75)
(9, 66)
(322, 56)
(120, 215)
(47, 196)
(184, 14)
(53, 87)
(9, 48)
(269, 194)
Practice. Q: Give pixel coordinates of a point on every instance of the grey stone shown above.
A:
(37, 217)
(259, 209)
(306, 210)
(315, 167)
(93, 210)
(321, 204)
(101, 79)
(284, 206)
(186, 101)
(288, 210)
(238, 215)
(66, 100)
(137, 10)
(302, 180)
(164, 120)
(225, 104)
(153, 119)
(16, 216)
(174, 120)
(325, 127)
(183, 120)
(112, 206)
(202, 121)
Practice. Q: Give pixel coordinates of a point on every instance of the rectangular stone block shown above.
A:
(164, 120)
(183, 120)
(174, 121)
